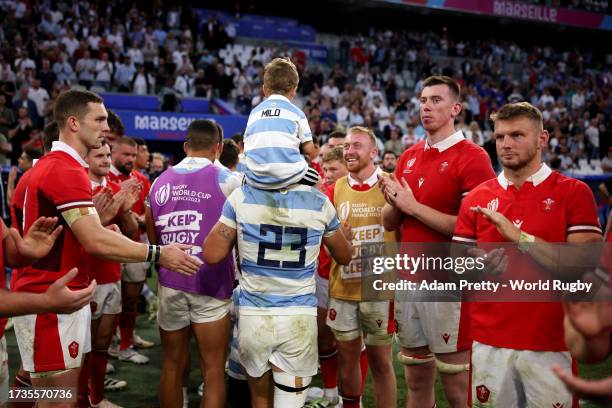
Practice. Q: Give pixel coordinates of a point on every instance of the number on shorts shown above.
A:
(277, 245)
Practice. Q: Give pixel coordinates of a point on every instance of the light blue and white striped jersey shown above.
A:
(275, 130)
(234, 366)
(279, 234)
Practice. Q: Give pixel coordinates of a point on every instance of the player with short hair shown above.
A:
(516, 343)
(353, 319)
(276, 130)
(197, 304)
(334, 168)
(133, 275)
(279, 234)
(52, 345)
(423, 200)
(113, 205)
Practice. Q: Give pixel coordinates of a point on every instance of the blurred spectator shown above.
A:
(24, 101)
(394, 144)
(104, 69)
(20, 134)
(158, 165)
(124, 74)
(7, 116)
(39, 95)
(142, 83)
(389, 160)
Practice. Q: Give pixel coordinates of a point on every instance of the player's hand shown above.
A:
(495, 261)
(114, 228)
(102, 200)
(60, 299)
(506, 228)
(347, 231)
(40, 238)
(599, 391)
(398, 194)
(175, 258)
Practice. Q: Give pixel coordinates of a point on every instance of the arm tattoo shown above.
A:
(226, 233)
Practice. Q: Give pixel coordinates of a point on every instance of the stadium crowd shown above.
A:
(373, 81)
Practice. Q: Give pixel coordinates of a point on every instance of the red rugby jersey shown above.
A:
(550, 206)
(58, 182)
(440, 176)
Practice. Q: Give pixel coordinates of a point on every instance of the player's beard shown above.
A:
(124, 169)
(520, 161)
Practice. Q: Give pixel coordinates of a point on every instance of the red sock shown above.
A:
(127, 322)
(363, 362)
(97, 372)
(82, 389)
(22, 382)
(350, 401)
(329, 367)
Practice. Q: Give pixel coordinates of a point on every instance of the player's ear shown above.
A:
(185, 148)
(73, 124)
(543, 138)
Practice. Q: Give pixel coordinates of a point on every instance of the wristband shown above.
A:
(525, 241)
(157, 253)
(149, 253)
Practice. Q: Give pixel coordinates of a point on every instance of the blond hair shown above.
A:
(281, 76)
(519, 110)
(363, 129)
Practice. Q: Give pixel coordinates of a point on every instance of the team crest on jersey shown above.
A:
(517, 223)
(421, 180)
(548, 204)
(379, 322)
(443, 167)
(558, 405)
(482, 393)
(445, 337)
(410, 163)
(343, 211)
(332, 314)
(493, 204)
(73, 349)
(162, 195)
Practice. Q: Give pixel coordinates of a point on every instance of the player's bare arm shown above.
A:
(57, 299)
(562, 263)
(219, 243)
(399, 195)
(107, 244)
(150, 226)
(36, 243)
(339, 246)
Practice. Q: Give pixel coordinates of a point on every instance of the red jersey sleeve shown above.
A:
(329, 192)
(581, 210)
(465, 227)
(75, 194)
(477, 169)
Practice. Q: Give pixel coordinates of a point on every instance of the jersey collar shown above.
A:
(447, 143)
(191, 162)
(115, 171)
(59, 146)
(536, 178)
(370, 181)
(278, 96)
(94, 184)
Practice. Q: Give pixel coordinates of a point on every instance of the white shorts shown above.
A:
(322, 291)
(107, 300)
(374, 319)
(518, 378)
(287, 342)
(178, 309)
(53, 342)
(433, 324)
(134, 272)
(4, 372)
